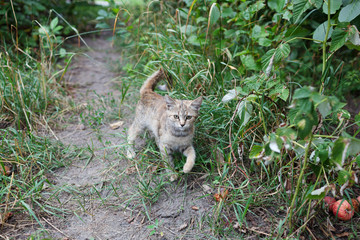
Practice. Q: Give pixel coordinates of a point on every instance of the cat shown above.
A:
(170, 120)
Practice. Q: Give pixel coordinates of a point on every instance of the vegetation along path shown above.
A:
(102, 195)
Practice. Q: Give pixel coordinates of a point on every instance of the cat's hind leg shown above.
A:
(134, 131)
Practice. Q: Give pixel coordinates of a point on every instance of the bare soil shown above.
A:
(98, 195)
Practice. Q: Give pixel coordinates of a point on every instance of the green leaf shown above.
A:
(339, 150)
(317, 3)
(334, 6)
(354, 147)
(349, 12)
(265, 42)
(276, 5)
(282, 51)
(214, 14)
(268, 58)
(324, 108)
(54, 23)
(320, 32)
(303, 92)
(304, 126)
(343, 177)
(357, 160)
(353, 35)
(300, 6)
(258, 32)
(244, 112)
(31, 212)
(318, 193)
(337, 39)
(256, 151)
(249, 62)
(286, 132)
(281, 91)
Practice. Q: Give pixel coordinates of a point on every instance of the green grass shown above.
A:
(231, 56)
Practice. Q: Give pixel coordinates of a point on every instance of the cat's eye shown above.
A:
(176, 116)
(188, 117)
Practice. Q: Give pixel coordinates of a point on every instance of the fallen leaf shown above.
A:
(195, 208)
(217, 197)
(116, 125)
(182, 227)
(7, 171)
(7, 216)
(236, 225)
(222, 196)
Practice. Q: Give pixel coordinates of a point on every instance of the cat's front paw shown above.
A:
(187, 167)
(130, 153)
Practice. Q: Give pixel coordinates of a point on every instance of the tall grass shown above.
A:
(202, 58)
(29, 94)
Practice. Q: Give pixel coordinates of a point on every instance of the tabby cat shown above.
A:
(170, 120)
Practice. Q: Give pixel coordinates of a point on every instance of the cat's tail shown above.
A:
(150, 83)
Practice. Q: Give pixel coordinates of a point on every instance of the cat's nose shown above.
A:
(182, 124)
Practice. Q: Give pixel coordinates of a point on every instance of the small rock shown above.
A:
(116, 125)
(182, 227)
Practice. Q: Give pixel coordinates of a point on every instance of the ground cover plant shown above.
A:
(275, 134)
(278, 132)
(31, 97)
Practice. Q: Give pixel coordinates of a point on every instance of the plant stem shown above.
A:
(302, 171)
(324, 48)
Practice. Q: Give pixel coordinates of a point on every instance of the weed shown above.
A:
(250, 70)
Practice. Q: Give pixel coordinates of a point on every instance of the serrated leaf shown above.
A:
(267, 60)
(249, 62)
(300, 6)
(256, 151)
(54, 23)
(282, 51)
(214, 14)
(338, 39)
(334, 6)
(276, 5)
(320, 32)
(349, 12)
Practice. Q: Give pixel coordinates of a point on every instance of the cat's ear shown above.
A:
(170, 103)
(195, 105)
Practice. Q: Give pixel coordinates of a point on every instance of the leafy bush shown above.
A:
(253, 61)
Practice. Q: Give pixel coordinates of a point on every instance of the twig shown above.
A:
(56, 228)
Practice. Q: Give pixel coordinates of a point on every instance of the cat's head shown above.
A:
(182, 113)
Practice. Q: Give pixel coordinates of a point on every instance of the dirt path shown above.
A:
(105, 196)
